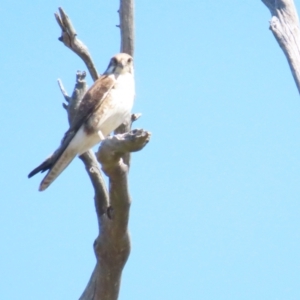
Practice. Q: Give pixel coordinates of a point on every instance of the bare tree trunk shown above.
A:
(126, 13)
(285, 26)
(112, 246)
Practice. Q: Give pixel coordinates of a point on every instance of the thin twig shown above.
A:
(63, 91)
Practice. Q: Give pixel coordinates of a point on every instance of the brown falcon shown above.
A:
(104, 107)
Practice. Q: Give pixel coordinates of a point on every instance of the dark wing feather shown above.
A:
(91, 101)
(50, 161)
(42, 167)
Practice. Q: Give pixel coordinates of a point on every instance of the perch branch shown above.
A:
(284, 25)
(70, 40)
(112, 246)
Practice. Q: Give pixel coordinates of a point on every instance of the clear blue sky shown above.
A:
(215, 194)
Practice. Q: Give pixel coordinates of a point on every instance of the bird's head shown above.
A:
(119, 64)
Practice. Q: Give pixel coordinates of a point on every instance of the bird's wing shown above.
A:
(91, 101)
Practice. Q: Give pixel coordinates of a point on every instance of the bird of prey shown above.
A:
(104, 107)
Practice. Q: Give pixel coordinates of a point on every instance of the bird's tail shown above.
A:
(62, 162)
(58, 161)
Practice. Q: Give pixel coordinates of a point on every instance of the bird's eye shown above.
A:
(129, 60)
(114, 61)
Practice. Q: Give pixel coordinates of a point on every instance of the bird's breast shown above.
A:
(115, 108)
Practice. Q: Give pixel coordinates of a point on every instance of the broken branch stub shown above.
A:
(114, 147)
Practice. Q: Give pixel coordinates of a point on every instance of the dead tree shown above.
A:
(112, 245)
(285, 26)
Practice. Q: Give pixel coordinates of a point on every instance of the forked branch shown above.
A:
(69, 38)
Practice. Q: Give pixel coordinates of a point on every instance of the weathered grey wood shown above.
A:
(126, 14)
(285, 26)
(70, 40)
(112, 246)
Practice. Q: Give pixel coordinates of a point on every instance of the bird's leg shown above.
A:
(101, 136)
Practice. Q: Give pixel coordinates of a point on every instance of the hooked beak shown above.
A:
(120, 66)
(122, 63)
